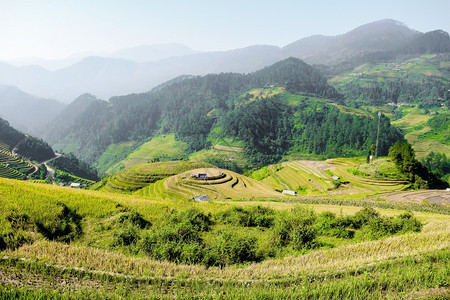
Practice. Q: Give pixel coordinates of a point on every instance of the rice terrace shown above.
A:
(315, 170)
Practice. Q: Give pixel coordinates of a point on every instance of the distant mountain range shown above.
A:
(26, 112)
(140, 69)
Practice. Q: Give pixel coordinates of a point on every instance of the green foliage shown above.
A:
(373, 226)
(35, 149)
(403, 156)
(419, 80)
(9, 135)
(71, 164)
(127, 235)
(178, 237)
(134, 218)
(41, 173)
(439, 164)
(181, 107)
(295, 229)
(329, 225)
(363, 217)
(271, 128)
(64, 226)
(229, 248)
(255, 216)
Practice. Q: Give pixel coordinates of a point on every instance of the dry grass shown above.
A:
(435, 236)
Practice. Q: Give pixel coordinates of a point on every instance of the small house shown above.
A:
(335, 178)
(75, 185)
(288, 192)
(203, 175)
(203, 197)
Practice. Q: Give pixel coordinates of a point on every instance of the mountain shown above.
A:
(269, 113)
(27, 112)
(146, 53)
(384, 35)
(130, 72)
(12, 140)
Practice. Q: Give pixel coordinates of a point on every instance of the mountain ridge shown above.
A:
(141, 77)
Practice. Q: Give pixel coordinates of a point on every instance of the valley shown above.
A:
(318, 170)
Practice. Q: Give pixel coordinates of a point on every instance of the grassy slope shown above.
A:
(109, 161)
(397, 266)
(413, 122)
(163, 147)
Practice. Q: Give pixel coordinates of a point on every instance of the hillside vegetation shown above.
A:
(201, 111)
(130, 246)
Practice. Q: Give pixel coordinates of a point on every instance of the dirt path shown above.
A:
(51, 171)
(14, 150)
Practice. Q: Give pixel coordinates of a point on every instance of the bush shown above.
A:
(63, 227)
(134, 218)
(406, 222)
(229, 248)
(180, 243)
(255, 216)
(328, 224)
(195, 218)
(178, 238)
(295, 229)
(14, 240)
(362, 217)
(126, 236)
(379, 227)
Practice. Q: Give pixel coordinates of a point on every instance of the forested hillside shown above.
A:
(420, 80)
(181, 107)
(27, 146)
(193, 108)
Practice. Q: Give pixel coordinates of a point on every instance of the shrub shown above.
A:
(406, 222)
(180, 243)
(63, 227)
(126, 236)
(296, 229)
(134, 218)
(14, 240)
(178, 238)
(195, 218)
(328, 224)
(255, 216)
(229, 248)
(19, 221)
(363, 217)
(379, 227)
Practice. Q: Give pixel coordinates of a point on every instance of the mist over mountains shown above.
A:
(141, 68)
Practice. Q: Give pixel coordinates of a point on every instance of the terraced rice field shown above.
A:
(12, 166)
(218, 184)
(441, 197)
(373, 185)
(310, 178)
(136, 177)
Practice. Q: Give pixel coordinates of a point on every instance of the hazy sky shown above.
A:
(59, 28)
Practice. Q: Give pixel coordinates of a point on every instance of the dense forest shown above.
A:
(418, 173)
(182, 107)
(70, 164)
(9, 135)
(271, 128)
(426, 91)
(35, 149)
(30, 147)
